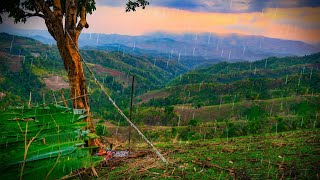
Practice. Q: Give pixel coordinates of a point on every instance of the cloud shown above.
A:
(245, 28)
(300, 23)
(112, 3)
(190, 5)
(285, 23)
(222, 6)
(258, 5)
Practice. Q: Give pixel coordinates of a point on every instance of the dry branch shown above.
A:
(26, 147)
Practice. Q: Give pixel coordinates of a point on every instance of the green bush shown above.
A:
(193, 122)
(102, 130)
(279, 125)
(101, 121)
(196, 136)
(152, 135)
(174, 132)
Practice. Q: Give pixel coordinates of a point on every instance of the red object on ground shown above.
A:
(108, 155)
(102, 152)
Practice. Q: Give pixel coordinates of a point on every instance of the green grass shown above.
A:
(290, 155)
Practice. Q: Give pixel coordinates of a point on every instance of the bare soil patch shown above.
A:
(13, 62)
(56, 83)
(101, 70)
(152, 95)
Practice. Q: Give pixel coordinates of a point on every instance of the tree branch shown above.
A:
(71, 15)
(27, 15)
(132, 5)
(49, 17)
(44, 9)
(57, 10)
(83, 17)
(50, 28)
(53, 22)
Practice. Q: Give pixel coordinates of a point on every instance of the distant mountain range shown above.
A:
(206, 47)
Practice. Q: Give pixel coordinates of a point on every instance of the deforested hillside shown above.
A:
(233, 82)
(30, 67)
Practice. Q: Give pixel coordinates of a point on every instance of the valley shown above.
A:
(208, 117)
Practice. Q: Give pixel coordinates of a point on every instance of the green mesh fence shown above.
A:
(58, 147)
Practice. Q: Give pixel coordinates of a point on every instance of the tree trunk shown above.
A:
(68, 49)
(73, 66)
(66, 36)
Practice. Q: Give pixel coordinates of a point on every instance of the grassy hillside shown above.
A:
(30, 66)
(289, 155)
(247, 97)
(244, 120)
(235, 82)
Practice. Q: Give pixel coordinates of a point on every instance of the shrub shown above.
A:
(193, 122)
(101, 121)
(174, 132)
(101, 130)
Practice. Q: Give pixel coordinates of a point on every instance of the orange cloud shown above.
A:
(300, 24)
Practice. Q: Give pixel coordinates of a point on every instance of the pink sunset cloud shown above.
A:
(286, 23)
(293, 23)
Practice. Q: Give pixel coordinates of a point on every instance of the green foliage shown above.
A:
(253, 113)
(102, 130)
(156, 116)
(279, 125)
(236, 82)
(101, 121)
(18, 85)
(304, 108)
(188, 134)
(132, 5)
(21, 10)
(174, 132)
(152, 135)
(193, 122)
(56, 141)
(168, 110)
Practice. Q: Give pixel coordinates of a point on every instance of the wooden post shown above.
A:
(30, 96)
(44, 99)
(131, 102)
(54, 97)
(63, 99)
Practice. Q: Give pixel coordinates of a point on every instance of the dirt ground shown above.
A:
(56, 83)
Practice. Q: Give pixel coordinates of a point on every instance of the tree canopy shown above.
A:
(51, 10)
(20, 11)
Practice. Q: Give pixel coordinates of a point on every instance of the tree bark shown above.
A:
(66, 37)
(68, 49)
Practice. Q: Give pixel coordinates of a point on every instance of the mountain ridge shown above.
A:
(231, 47)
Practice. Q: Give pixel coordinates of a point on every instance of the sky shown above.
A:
(283, 19)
